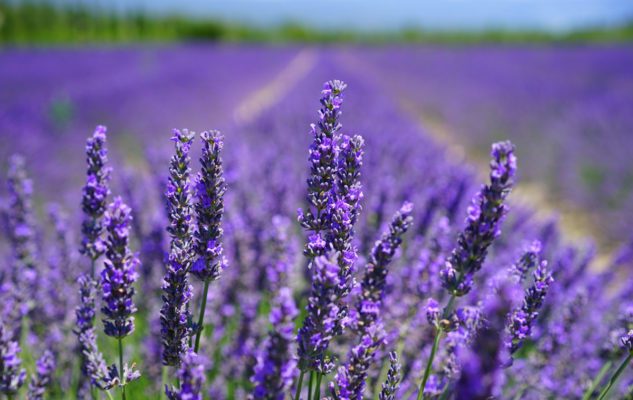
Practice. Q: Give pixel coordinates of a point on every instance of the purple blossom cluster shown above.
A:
(425, 304)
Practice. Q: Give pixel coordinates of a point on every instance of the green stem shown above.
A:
(317, 390)
(164, 378)
(203, 305)
(121, 375)
(299, 384)
(594, 384)
(615, 376)
(9, 396)
(438, 335)
(310, 384)
(429, 364)
(109, 395)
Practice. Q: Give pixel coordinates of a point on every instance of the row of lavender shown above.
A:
(432, 295)
(566, 108)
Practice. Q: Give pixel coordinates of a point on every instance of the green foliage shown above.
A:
(40, 22)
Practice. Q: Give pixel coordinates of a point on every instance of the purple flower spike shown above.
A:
(391, 384)
(191, 377)
(324, 319)
(93, 365)
(95, 194)
(351, 379)
(483, 223)
(209, 207)
(522, 319)
(175, 329)
(11, 374)
(21, 225)
(44, 369)
(323, 165)
(119, 273)
(275, 368)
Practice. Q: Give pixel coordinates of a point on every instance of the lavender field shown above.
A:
(443, 223)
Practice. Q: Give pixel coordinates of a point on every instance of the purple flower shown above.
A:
(209, 207)
(522, 319)
(391, 384)
(351, 379)
(528, 261)
(175, 328)
(483, 223)
(11, 374)
(21, 225)
(324, 316)
(95, 194)
(119, 273)
(93, 365)
(44, 370)
(191, 377)
(433, 312)
(323, 165)
(275, 368)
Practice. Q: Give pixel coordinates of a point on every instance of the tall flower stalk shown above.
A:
(95, 196)
(175, 316)
(350, 379)
(483, 225)
(44, 370)
(209, 208)
(117, 280)
(334, 194)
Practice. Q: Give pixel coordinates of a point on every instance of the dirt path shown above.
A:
(265, 97)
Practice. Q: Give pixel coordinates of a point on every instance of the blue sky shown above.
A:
(372, 15)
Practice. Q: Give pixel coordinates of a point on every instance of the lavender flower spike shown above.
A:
(275, 366)
(351, 378)
(521, 320)
(44, 369)
(21, 224)
(209, 207)
(11, 374)
(483, 224)
(119, 273)
(176, 289)
(374, 279)
(323, 168)
(323, 321)
(390, 387)
(94, 366)
(191, 377)
(95, 194)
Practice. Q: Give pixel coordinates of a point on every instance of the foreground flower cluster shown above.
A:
(211, 290)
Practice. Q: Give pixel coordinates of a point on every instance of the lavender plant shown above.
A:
(210, 187)
(117, 279)
(483, 225)
(175, 316)
(95, 195)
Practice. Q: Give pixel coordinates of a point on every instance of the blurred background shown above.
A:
(554, 76)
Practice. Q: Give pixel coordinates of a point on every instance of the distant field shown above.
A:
(567, 108)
